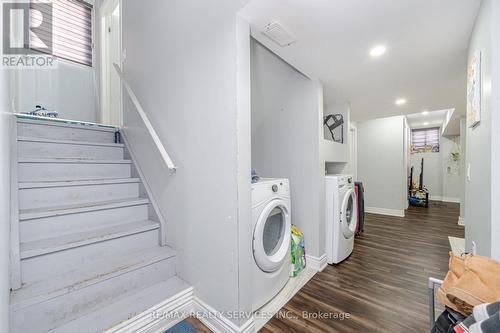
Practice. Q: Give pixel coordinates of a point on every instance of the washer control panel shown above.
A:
(262, 190)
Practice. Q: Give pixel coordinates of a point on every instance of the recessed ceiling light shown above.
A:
(377, 51)
(400, 101)
(425, 113)
(426, 123)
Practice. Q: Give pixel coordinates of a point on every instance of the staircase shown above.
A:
(89, 254)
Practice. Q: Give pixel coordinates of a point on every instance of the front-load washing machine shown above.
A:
(341, 217)
(271, 238)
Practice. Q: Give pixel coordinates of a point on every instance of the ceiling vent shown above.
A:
(278, 34)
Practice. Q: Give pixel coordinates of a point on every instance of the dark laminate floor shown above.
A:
(383, 283)
(198, 325)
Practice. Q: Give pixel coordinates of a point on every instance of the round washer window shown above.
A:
(271, 239)
(349, 210)
(349, 215)
(274, 230)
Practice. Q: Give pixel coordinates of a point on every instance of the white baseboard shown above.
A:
(461, 221)
(385, 211)
(212, 319)
(292, 287)
(168, 313)
(444, 199)
(450, 199)
(317, 263)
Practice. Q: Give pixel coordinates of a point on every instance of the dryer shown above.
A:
(341, 217)
(271, 218)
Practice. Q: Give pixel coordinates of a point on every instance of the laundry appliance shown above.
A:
(341, 217)
(271, 218)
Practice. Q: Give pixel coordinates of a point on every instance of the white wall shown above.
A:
(187, 77)
(433, 172)
(463, 146)
(69, 89)
(478, 155)
(495, 133)
(285, 138)
(451, 171)
(381, 165)
(442, 182)
(5, 141)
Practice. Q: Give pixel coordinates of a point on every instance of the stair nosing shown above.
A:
(71, 161)
(46, 121)
(115, 271)
(69, 183)
(69, 142)
(183, 290)
(26, 254)
(94, 206)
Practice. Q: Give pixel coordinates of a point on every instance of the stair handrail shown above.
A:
(166, 157)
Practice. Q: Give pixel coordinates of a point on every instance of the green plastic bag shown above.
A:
(297, 252)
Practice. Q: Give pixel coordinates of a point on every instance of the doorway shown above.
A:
(111, 90)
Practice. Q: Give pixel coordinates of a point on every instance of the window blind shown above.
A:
(71, 25)
(425, 140)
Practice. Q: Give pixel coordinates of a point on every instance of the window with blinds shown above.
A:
(425, 140)
(71, 25)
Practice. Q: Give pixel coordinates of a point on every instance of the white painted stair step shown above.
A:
(54, 264)
(29, 214)
(40, 224)
(60, 310)
(127, 307)
(61, 131)
(53, 194)
(51, 148)
(107, 267)
(55, 244)
(32, 170)
(90, 254)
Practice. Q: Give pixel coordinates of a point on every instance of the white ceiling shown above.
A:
(425, 60)
(432, 119)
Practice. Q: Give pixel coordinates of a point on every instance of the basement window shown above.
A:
(69, 28)
(425, 140)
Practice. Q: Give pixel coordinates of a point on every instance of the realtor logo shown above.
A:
(27, 35)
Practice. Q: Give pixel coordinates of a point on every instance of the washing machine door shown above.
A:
(348, 214)
(271, 238)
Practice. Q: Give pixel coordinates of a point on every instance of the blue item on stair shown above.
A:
(255, 177)
(182, 327)
(40, 111)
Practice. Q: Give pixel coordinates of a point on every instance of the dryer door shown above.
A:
(271, 237)
(349, 214)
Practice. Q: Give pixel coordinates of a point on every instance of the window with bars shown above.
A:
(425, 140)
(71, 25)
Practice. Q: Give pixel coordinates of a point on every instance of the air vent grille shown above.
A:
(278, 34)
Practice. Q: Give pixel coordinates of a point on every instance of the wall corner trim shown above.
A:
(385, 211)
(175, 309)
(317, 263)
(217, 322)
(180, 304)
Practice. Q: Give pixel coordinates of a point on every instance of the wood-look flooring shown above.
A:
(383, 284)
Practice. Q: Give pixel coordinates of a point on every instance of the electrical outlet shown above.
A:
(474, 248)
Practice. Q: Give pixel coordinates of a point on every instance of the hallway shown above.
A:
(383, 285)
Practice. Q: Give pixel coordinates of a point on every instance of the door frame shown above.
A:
(353, 151)
(105, 13)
